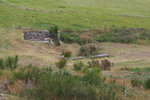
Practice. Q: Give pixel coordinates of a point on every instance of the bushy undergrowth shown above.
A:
(147, 84)
(125, 35)
(53, 30)
(104, 65)
(9, 63)
(66, 53)
(50, 86)
(89, 49)
(78, 66)
(71, 38)
(136, 83)
(61, 64)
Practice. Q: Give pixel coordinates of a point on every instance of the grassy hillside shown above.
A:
(77, 15)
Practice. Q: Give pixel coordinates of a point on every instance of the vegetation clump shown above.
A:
(125, 35)
(53, 30)
(61, 64)
(94, 63)
(9, 63)
(89, 49)
(66, 53)
(136, 83)
(147, 84)
(78, 66)
(106, 64)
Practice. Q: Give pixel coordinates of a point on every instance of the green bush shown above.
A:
(2, 64)
(147, 84)
(28, 73)
(94, 63)
(124, 35)
(11, 62)
(136, 83)
(78, 66)
(66, 53)
(53, 30)
(48, 85)
(62, 63)
(93, 77)
(71, 38)
(87, 50)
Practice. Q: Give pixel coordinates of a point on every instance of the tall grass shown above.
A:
(49, 85)
(9, 63)
(125, 35)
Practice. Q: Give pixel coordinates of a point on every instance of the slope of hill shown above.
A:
(70, 14)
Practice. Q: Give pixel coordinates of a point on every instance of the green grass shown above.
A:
(88, 14)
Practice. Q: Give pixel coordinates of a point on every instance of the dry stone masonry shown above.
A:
(41, 36)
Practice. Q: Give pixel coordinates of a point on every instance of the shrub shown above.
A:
(1, 64)
(66, 53)
(124, 35)
(11, 62)
(92, 77)
(71, 38)
(54, 30)
(147, 84)
(106, 64)
(87, 50)
(86, 38)
(94, 63)
(136, 83)
(62, 63)
(50, 86)
(78, 66)
(29, 73)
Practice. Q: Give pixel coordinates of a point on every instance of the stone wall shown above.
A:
(37, 35)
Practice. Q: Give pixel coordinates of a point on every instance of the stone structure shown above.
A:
(37, 35)
(42, 36)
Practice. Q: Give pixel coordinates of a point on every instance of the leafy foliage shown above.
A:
(9, 63)
(66, 53)
(87, 50)
(147, 84)
(2, 64)
(54, 30)
(125, 35)
(78, 66)
(136, 83)
(62, 63)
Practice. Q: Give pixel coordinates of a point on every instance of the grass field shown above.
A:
(76, 15)
(131, 59)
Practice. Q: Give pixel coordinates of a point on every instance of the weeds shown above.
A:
(9, 63)
(62, 63)
(66, 53)
(87, 50)
(78, 66)
(2, 64)
(136, 83)
(94, 63)
(106, 64)
(147, 84)
(53, 30)
(124, 35)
